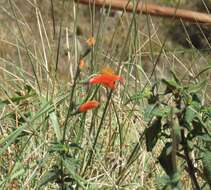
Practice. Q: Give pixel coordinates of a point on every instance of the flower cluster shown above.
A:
(107, 78)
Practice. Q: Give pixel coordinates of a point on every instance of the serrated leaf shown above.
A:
(152, 134)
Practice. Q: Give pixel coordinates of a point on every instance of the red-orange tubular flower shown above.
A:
(106, 80)
(88, 105)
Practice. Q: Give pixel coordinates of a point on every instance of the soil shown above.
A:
(185, 34)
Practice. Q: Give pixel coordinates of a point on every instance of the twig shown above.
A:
(191, 168)
(152, 9)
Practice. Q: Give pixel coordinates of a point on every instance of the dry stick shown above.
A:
(152, 9)
(53, 19)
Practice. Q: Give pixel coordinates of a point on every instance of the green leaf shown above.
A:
(152, 134)
(16, 99)
(168, 183)
(59, 147)
(190, 114)
(154, 110)
(18, 170)
(194, 88)
(207, 111)
(175, 77)
(140, 95)
(70, 165)
(56, 126)
(45, 109)
(177, 129)
(49, 176)
(148, 112)
(165, 160)
(197, 128)
(74, 145)
(11, 138)
(164, 111)
(206, 160)
(205, 137)
(171, 85)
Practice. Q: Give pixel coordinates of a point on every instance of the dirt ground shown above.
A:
(30, 18)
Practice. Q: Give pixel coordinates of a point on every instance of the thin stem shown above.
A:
(98, 131)
(131, 158)
(59, 40)
(70, 108)
(53, 19)
(25, 46)
(62, 174)
(191, 169)
(120, 134)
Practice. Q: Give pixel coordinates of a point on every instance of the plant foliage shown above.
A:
(181, 122)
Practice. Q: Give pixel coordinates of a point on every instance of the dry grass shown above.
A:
(29, 69)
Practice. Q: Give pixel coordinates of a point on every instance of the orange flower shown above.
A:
(106, 80)
(88, 105)
(82, 64)
(91, 41)
(107, 70)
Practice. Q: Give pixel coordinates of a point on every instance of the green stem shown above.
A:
(120, 135)
(191, 169)
(98, 131)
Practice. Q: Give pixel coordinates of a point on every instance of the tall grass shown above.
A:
(44, 142)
